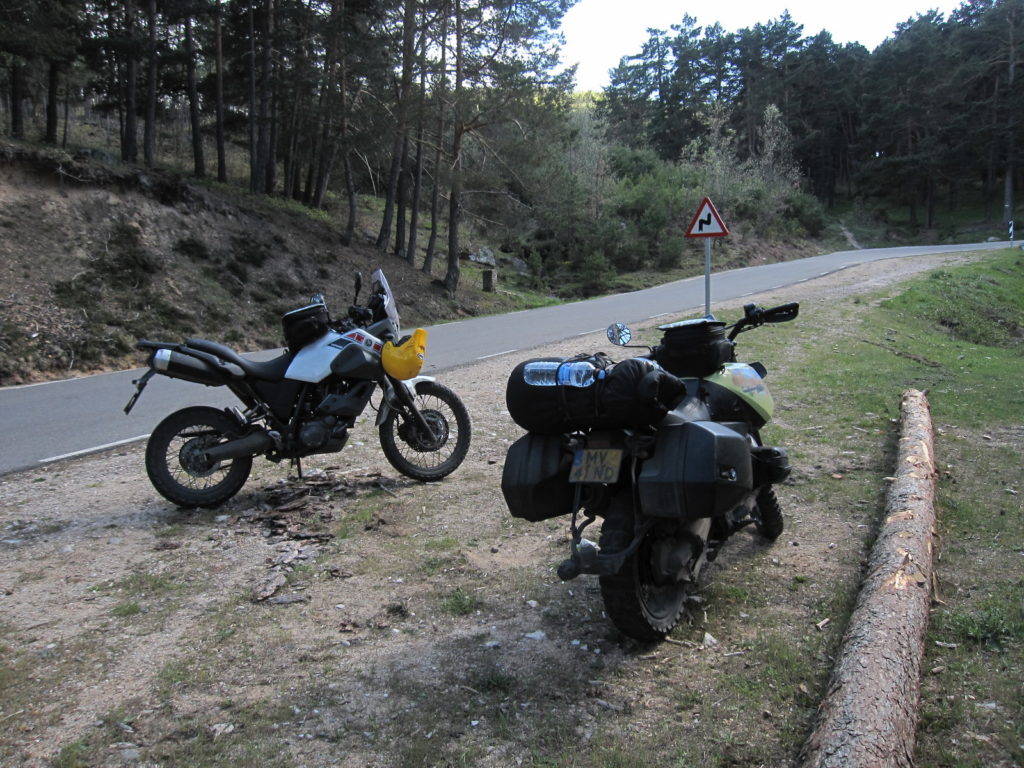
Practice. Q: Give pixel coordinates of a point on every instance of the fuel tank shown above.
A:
(354, 353)
(743, 382)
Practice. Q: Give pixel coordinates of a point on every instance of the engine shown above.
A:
(324, 435)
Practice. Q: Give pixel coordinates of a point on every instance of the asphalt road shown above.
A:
(52, 421)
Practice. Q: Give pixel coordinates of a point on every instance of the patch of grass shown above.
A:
(74, 755)
(126, 609)
(458, 602)
(146, 584)
(996, 620)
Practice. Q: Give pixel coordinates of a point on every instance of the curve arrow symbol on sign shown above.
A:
(707, 222)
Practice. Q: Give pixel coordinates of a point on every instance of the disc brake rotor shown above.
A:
(417, 439)
(192, 456)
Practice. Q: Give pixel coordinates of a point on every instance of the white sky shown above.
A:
(600, 32)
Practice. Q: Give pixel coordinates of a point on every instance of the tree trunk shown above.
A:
(198, 159)
(149, 131)
(401, 199)
(1011, 127)
(384, 235)
(17, 99)
(129, 136)
(350, 194)
(259, 181)
(67, 110)
(52, 95)
(401, 122)
(869, 715)
(435, 192)
(270, 179)
(254, 163)
(222, 168)
(417, 194)
(451, 278)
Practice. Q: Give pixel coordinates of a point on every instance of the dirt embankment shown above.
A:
(93, 257)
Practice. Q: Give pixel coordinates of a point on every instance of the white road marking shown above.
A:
(94, 449)
(498, 354)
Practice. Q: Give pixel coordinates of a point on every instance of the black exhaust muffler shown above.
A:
(252, 444)
(180, 365)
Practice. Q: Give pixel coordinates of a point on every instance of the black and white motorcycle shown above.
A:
(303, 402)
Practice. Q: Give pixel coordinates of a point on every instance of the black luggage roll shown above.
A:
(633, 393)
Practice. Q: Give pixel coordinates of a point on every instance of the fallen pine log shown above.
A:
(869, 714)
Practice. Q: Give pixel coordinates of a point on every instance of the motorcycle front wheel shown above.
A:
(637, 605)
(422, 456)
(175, 464)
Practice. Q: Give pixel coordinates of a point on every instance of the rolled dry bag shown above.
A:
(633, 393)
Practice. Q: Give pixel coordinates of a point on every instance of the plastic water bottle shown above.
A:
(550, 373)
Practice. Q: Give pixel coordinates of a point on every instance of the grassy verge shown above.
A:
(957, 334)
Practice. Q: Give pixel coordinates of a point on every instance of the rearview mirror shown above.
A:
(619, 334)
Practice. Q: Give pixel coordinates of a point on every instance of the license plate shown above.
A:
(596, 465)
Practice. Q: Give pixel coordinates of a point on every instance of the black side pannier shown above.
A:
(633, 393)
(697, 469)
(535, 478)
(693, 347)
(303, 325)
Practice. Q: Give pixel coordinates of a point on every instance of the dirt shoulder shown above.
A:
(415, 625)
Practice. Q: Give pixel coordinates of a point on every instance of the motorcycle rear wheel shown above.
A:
(638, 606)
(175, 467)
(769, 514)
(428, 457)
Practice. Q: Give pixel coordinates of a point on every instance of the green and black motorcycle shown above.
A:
(664, 447)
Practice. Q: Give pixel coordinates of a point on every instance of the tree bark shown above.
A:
(198, 158)
(451, 277)
(869, 715)
(52, 95)
(259, 181)
(435, 191)
(149, 131)
(17, 99)
(129, 136)
(254, 164)
(1011, 126)
(222, 168)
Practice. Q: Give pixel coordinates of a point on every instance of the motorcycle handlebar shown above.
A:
(753, 316)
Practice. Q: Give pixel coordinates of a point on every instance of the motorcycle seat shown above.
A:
(271, 370)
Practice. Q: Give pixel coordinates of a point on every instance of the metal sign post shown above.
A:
(707, 224)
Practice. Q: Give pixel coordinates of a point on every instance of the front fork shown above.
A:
(401, 396)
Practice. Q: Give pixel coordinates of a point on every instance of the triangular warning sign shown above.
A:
(707, 222)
